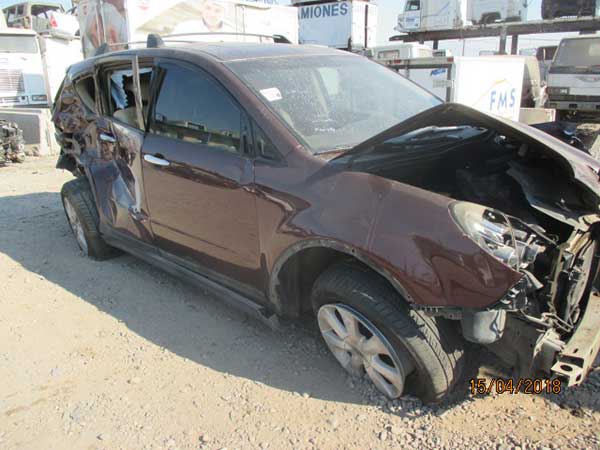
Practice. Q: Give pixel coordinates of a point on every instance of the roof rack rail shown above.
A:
(155, 40)
(221, 33)
(104, 48)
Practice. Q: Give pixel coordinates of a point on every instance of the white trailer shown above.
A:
(401, 50)
(424, 15)
(117, 22)
(492, 84)
(350, 25)
(488, 11)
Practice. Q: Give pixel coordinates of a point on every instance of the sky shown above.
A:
(388, 11)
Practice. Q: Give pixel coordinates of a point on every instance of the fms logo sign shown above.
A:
(503, 98)
(322, 11)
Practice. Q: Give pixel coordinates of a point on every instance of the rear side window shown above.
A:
(193, 107)
(86, 90)
(120, 95)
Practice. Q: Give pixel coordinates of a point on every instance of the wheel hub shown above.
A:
(360, 347)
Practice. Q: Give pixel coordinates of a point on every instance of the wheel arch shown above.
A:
(289, 287)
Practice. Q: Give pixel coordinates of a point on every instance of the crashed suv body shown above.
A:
(298, 179)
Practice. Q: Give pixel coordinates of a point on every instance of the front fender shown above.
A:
(416, 240)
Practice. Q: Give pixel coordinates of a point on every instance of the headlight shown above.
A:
(488, 228)
(558, 91)
(39, 98)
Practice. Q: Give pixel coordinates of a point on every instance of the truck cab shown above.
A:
(21, 69)
(34, 15)
(574, 77)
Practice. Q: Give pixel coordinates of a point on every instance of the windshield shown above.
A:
(14, 43)
(578, 52)
(333, 102)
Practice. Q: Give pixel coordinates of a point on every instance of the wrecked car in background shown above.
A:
(304, 180)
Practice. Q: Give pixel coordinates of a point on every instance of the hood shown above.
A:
(584, 169)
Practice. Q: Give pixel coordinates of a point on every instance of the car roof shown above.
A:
(220, 52)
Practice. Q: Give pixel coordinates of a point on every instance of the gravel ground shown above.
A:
(118, 355)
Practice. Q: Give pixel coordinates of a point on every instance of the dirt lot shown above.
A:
(118, 355)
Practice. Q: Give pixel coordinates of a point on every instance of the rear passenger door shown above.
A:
(124, 84)
(199, 177)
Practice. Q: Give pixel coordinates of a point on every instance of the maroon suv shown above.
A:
(299, 179)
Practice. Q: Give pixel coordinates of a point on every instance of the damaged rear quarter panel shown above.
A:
(113, 169)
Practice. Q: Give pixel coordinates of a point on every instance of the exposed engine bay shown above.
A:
(518, 203)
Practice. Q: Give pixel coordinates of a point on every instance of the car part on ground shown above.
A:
(13, 145)
(444, 225)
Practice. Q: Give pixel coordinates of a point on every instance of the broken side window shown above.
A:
(86, 90)
(121, 94)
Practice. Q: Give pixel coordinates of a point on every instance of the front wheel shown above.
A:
(371, 330)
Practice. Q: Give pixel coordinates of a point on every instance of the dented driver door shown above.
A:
(124, 86)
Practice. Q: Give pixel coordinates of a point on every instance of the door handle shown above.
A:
(156, 160)
(104, 137)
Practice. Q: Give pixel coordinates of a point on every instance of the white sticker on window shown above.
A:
(271, 94)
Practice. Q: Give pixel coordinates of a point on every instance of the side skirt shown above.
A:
(232, 298)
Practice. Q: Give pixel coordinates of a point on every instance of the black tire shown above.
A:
(434, 344)
(79, 194)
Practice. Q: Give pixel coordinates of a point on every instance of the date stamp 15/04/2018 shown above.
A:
(481, 386)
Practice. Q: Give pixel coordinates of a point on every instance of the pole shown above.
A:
(514, 44)
(502, 47)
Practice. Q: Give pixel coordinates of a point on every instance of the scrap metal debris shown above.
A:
(13, 144)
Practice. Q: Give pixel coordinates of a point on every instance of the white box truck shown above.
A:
(424, 15)
(117, 22)
(492, 84)
(574, 77)
(33, 66)
(350, 25)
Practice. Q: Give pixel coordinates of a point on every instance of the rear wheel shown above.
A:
(82, 216)
(371, 330)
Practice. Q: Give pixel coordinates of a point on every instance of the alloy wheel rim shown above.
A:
(360, 347)
(76, 226)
